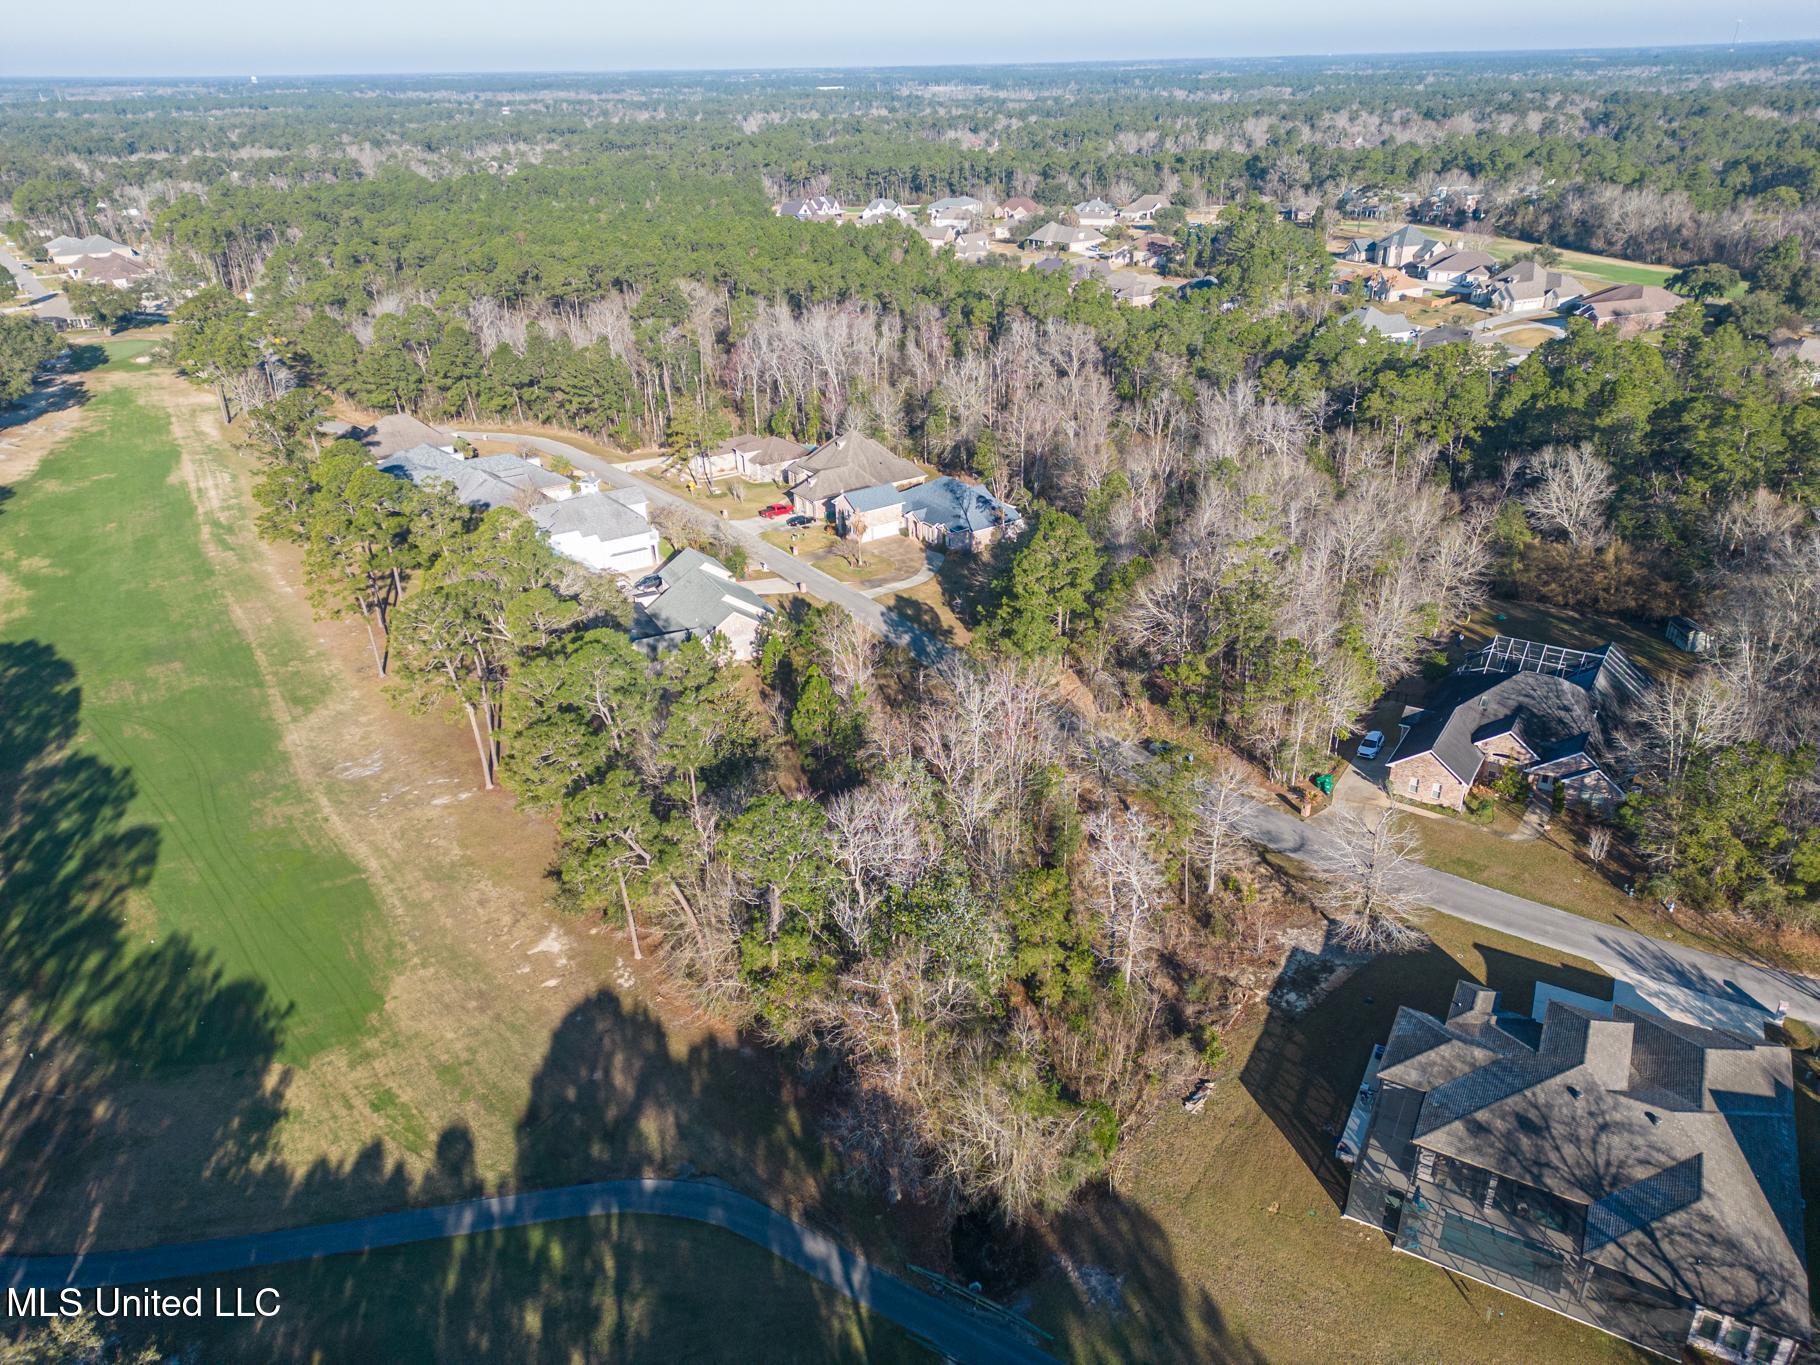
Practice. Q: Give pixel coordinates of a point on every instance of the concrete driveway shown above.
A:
(45, 301)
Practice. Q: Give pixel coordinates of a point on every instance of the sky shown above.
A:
(232, 37)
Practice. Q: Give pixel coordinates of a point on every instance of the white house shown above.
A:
(1095, 213)
(972, 246)
(957, 212)
(884, 211)
(65, 250)
(607, 530)
(817, 208)
(1144, 208)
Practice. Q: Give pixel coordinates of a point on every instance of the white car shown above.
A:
(1371, 744)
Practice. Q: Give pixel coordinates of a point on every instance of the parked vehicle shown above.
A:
(1372, 745)
(776, 509)
(800, 521)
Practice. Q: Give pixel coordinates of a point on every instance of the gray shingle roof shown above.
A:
(591, 514)
(849, 462)
(1547, 713)
(958, 506)
(1677, 1141)
(489, 481)
(699, 594)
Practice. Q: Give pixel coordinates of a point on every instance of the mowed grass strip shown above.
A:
(105, 544)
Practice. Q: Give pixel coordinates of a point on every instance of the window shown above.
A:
(1415, 786)
(1437, 791)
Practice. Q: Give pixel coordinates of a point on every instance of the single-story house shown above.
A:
(399, 431)
(937, 237)
(882, 211)
(1144, 208)
(67, 250)
(122, 272)
(1526, 287)
(848, 462)
(1545, 710)
(1079, 240)
(1629, 307)
(817, 208)
(1095, 213)
(487, 481)
(1017, 208)
(1116, 253)
(972, 246)
(1392, 325)
(699, 600)
(958, 211)
(946, 513)
(606, 530)
(1457, 267)
(757, 459)
(1153, 249)
(1604, 1159)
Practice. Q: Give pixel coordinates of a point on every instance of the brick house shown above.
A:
(1516, 703)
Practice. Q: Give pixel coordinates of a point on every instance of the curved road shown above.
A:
(891, 626)
(956, 1331)
(44, 301)
(1622, 952)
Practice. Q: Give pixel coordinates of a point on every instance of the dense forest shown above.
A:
(1245, 510)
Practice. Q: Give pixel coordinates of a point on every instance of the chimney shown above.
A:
(1608, 1044)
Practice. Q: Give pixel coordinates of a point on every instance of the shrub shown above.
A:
(1436, 665)
(1479, 809)
(1512, 784)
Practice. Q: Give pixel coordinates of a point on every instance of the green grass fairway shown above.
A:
(102, 553)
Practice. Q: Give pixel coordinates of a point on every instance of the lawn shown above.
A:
(1597, 270)
(121, 620)
(612, 1288)
(1223, 1240)
(1644, 643)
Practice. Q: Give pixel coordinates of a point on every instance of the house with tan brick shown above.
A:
(1543, 709)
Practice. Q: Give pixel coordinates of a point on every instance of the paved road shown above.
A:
(891, 626)
(1620, 951)
(46, 302)
(958, 1332)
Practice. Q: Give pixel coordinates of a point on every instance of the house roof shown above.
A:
(699, 595)
(1405, 236)
(874, 499)
(591, 514)
(1445, 334)
(1677, 1141)
(957, 203)
(110, 269)
(1628, 300)
(1459, 261)
(490, 481)
(398, 431)
(851, 461)
(765, 449)
(882, 205)
(1469, 708)
(1095, 207)
(1060, 234)
(1147, 203)
(1529, 280)
(1802, 348)
(1377, 320)
(84, 246)
(958, 506)
(1018, 203)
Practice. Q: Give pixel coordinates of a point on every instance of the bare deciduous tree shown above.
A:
(1369, 882)
(1570, 493)
(1220, 802)
(1131, 884)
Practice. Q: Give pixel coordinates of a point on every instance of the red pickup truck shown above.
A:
(777, 509)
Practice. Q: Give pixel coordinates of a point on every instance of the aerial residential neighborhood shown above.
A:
(767, 686)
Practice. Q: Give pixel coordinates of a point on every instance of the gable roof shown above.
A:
(699, 595)
(1097, 207)
(1147, 203)
(1019, 203)
(110, 269)
(591, 514)
(95, 245)
(1628, 300)
(1407, 235)
(1060, 234)
(766, 449)
(1377, 320)
(851, 461)
(1459, 260)
(956, 203)
(1469, 708)
(520, 472)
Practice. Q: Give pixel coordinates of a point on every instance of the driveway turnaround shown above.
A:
(1623, 953)
(956, 1331)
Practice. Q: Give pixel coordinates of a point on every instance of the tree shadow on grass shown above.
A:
(1306, 1067)
(47, 398)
